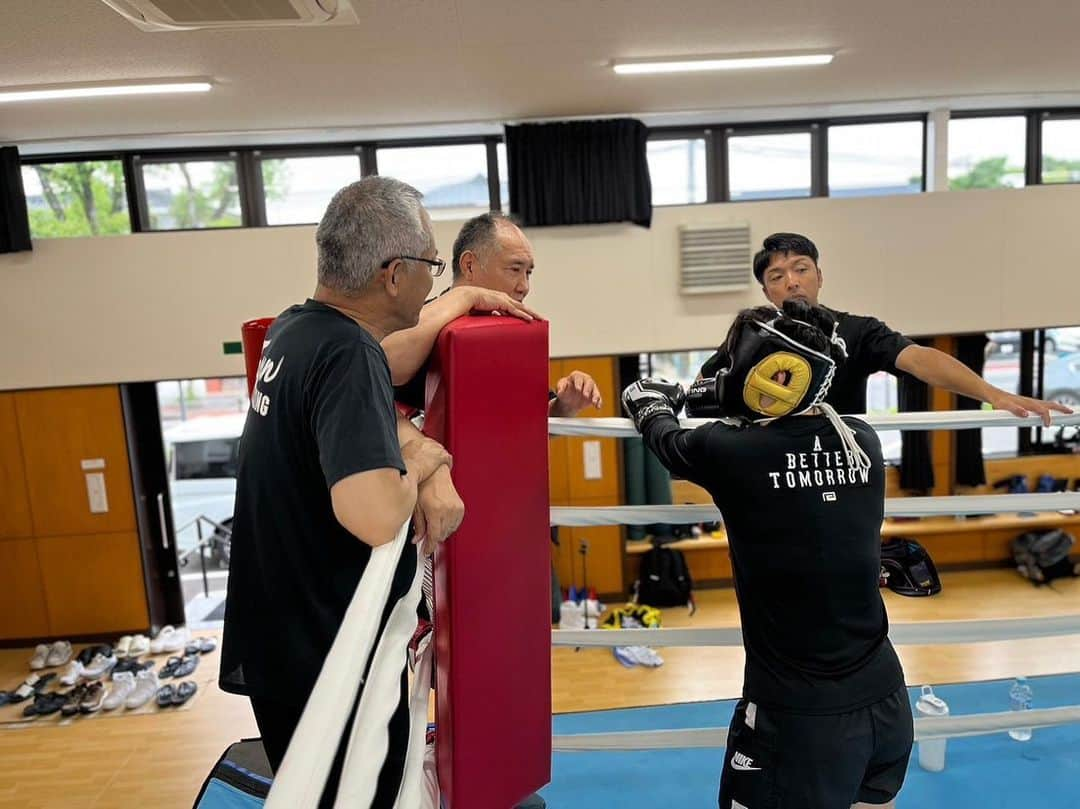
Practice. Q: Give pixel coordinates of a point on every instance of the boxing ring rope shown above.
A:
(926, 728)
(928, 420)
(578, 516)
(928, 632)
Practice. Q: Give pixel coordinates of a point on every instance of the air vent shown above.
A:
(183, 15)
(714, 258)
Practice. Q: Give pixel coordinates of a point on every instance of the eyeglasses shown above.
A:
(437, 265)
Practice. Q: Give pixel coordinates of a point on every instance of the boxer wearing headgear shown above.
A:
(824, 721)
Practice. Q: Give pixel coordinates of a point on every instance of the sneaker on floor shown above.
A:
(169, 640)
(40, 658)
(93, 698)
(59, 653)
(73, 699)
(45, 704)
(140, 645)
(200, 646)
(146, 686)
(99, 666)
(72, 674)
(123, 647)
(123, 685)
(31, 686)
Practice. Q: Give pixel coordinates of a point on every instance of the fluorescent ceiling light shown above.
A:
(726, 63)
(95, 91)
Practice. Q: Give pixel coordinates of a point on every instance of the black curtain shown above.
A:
(579, 172)
(970, 470)
(14, 222)
(916, 467)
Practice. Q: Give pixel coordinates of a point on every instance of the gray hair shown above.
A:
(366, 223)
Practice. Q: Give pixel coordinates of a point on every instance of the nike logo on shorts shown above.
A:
(743, 763)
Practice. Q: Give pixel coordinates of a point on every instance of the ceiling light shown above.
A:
(725, 63)
(54, 92)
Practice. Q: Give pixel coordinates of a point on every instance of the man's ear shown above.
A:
(468, 263)
(820, 280)
(392, 277)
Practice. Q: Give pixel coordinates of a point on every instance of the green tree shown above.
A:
(81, 199)
(1057, 170)
(987, 173)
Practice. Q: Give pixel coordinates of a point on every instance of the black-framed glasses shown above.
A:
(437, 265)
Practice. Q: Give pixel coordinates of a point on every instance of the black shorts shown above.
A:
(781, 760)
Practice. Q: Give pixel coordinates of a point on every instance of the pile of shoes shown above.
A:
(106, 678)
(635, 616)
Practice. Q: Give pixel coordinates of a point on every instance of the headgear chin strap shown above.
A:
(747, 388)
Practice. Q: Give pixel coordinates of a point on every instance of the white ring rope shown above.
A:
(910, 634)
(945, 727)
(894, 507)
(928, 420)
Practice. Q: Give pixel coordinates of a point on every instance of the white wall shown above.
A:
(160, 305)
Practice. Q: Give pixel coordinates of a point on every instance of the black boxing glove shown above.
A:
(648, 398)
(705, 398)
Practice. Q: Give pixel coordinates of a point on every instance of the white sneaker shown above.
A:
(170, 640)
(99, 666)
(41, 655)
(140, 645)
(123, 647)
(123, 685)
(59, 653)
(72, 674)
(146, 686)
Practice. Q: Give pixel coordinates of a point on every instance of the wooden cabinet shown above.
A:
(67, 568)
(588, 472)
(15, 518)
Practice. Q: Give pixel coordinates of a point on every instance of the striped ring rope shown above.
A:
(928, 420)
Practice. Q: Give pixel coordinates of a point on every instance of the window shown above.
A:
(1061, 380)
(987, 152)
(869, 160)
(769, 166)
(675, 366)
(677, 171)
(1002, 369)
(297, 189)
(1061, 151)
(504, 178)
(452, 178)
(192, 194)
(881, 399)
(76, 199)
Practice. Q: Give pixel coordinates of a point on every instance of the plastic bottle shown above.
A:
(1020, 700)
(931, 751)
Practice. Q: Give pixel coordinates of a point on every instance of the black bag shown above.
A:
(664, 579)
(240, 780)
(1043, 557)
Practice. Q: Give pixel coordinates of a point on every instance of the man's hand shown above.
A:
(573, 394)
(423, 457)
(478, 299)
(1026, 406)
(646, 399)
(439, 511)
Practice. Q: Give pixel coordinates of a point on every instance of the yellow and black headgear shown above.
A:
(747, 387)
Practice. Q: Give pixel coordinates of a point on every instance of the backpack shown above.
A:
(664, 579)
(240, 780)
(1043, 557)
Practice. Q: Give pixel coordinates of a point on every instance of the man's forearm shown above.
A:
(661, 435)
(406, 350)
(407, 432)
(942, 371)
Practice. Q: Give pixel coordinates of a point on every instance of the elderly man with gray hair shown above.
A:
(328, 469)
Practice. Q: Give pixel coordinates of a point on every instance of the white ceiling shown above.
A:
(422, 67)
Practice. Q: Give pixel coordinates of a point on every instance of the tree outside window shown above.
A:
(87, 198)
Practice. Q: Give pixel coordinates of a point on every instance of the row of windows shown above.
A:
(861, 159)
(92, 197)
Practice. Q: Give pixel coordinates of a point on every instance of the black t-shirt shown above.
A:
(804, 530)
(871, 346)
(322, 410)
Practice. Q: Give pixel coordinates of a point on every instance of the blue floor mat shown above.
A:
(984, 772)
